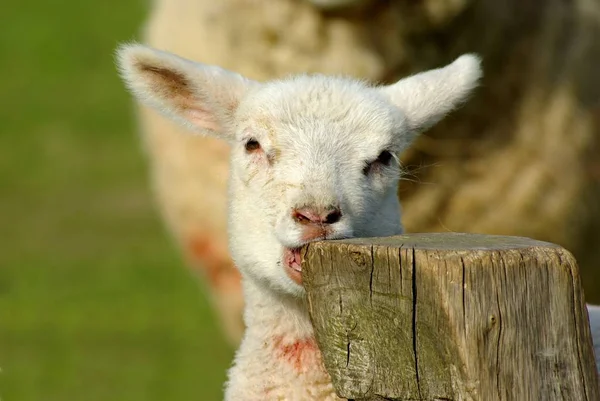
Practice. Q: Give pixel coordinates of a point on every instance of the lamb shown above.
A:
(312, 158)
(265, 40)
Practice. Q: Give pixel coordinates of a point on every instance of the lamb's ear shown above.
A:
(200, 96)
(426, 97)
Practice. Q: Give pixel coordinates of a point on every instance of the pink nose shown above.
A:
(317, 216)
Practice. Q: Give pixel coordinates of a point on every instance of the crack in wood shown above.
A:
(499, 334)
(414, 320)
(464, 283)
(371, 276)
(348, 352)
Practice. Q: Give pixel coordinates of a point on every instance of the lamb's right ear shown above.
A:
(200, 96)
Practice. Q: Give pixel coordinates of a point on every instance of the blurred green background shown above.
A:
(95, 303)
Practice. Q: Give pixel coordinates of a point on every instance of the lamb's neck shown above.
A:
(279, 314)
(278, 357)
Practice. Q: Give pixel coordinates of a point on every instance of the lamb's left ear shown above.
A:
(200, 96)
(426, 97)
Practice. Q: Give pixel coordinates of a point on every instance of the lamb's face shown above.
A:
(313, 157)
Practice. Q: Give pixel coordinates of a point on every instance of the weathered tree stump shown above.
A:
(450, 317)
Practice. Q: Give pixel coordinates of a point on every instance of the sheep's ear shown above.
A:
(200, 96)
(426, 97)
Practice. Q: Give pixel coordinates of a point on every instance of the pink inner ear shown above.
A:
(175, 89)
(203, 119)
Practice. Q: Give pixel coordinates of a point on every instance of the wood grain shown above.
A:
(450, 317)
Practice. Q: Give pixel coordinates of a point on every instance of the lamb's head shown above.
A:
(312, 157)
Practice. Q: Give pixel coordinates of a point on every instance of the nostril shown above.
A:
(300, 218)
(333, 217)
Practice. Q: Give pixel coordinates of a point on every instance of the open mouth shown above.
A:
(292, 258)
(293, 264)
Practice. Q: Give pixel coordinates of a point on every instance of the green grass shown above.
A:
(95, 303)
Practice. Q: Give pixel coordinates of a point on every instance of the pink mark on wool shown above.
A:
(214, 260)
(301, 354)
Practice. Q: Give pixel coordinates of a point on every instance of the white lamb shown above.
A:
(312, 158)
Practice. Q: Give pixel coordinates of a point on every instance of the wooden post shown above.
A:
(450, 317)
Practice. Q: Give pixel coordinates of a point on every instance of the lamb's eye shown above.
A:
(383, 159)
(252, 145)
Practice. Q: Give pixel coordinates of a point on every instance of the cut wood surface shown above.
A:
(450, 317)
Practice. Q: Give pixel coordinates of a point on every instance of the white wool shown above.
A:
(317, 135)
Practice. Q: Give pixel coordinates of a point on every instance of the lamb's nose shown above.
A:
(317, 216)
